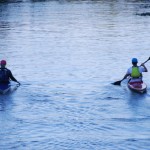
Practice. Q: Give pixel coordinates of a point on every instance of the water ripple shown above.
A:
(66, 54)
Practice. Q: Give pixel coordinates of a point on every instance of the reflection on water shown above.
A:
(66, 54)
(5, 103)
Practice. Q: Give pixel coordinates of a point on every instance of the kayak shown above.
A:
(138, 87)
(4, 88)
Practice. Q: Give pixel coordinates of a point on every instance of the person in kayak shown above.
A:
(135, 72)
(5, 74)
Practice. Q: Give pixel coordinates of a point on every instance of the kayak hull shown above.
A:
(4, 88)
(140, 88)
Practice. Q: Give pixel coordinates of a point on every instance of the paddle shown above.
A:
(147, 60)
(119, 82)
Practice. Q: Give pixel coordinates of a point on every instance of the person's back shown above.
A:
(5, 74)
(136, 72)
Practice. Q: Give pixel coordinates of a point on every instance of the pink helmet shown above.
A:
(3, 62)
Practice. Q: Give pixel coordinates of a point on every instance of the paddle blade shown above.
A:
(117, 83)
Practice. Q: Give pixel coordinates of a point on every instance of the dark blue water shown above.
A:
(66, 54)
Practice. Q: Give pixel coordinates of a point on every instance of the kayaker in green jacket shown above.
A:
(5, 74)
(135, 72)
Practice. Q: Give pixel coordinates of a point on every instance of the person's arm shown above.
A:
(126, 75)
(146, 70)
(12, 77)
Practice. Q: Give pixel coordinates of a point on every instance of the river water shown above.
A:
(66, 54)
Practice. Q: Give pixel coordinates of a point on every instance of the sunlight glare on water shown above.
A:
(66, 54)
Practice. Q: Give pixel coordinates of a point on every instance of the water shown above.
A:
(66, 54)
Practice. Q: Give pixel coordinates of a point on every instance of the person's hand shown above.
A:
(142, 64)
(19, 83)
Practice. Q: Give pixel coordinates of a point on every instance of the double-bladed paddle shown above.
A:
(119, 82)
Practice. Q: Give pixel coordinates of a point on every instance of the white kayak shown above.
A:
(140, 88)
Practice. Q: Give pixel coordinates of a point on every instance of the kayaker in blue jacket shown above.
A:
(135, 72)
(5, 74)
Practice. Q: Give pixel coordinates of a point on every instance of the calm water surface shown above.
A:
(66, 54)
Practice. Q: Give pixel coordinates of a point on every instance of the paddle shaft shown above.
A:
(146, 61)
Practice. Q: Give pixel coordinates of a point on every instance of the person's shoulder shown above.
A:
(8, 70)
(4, 69)
(141, 67)
(130, 68)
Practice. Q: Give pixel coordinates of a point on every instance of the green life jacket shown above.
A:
(135, 72)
